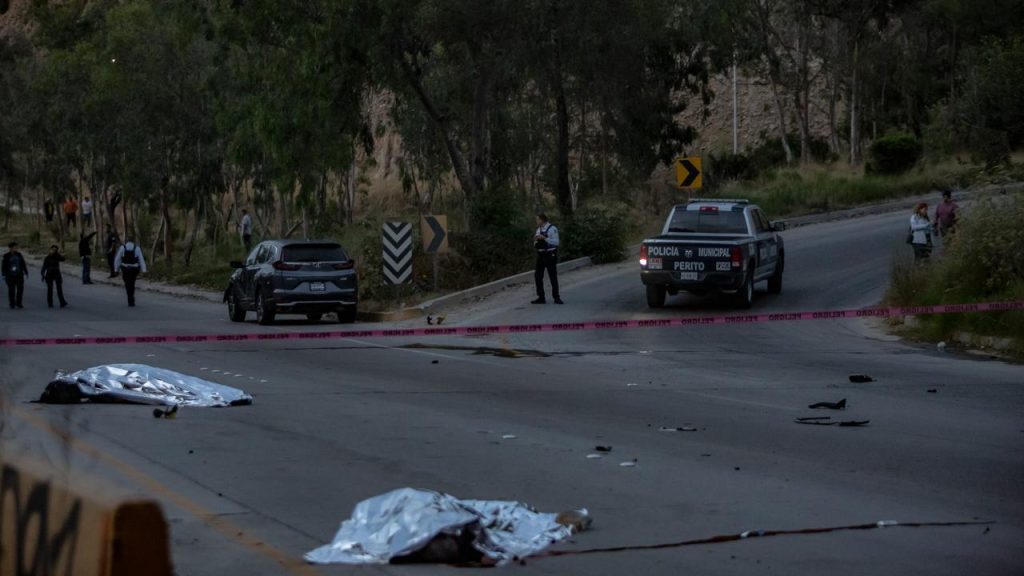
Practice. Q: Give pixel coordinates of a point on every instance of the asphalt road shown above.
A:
(248, 490)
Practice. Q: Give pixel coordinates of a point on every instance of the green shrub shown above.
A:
(894, 154)
(596, 231)
(499, 242)
(983, 261)
(728, 166)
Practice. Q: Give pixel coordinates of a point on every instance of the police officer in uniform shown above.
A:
(129, 262)
(545, 241)
(14, 270)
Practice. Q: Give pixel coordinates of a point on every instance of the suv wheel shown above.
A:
(347, 315)
(235, 310)
(263, 313)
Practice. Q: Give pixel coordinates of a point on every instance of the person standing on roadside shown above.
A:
(85, 251)
(51, 275)
(14, 270)
(946, 214)
(921, 232)
(110, 244)
(545, 242)
(245, 226)
(130, 263)
(86, 212)
(70, 211)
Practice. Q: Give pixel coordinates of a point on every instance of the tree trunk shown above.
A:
(459, 167)
(782, 117)
(854, 117)
(156, 239)
(803, 90)
(479, 154)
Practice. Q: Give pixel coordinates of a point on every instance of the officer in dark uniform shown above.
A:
(545, 241)
(14, 270)
(129, 263)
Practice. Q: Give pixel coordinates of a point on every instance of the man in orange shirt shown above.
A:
(70, 211)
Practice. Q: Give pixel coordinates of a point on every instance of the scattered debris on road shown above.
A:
(416, 526)
(860, 378)
(594, 456)
(508, 437)
(628, 463)
(436, 320)
(171, 412)
(841, 405)
(603, 448)
(827, 421)
(932, 391)
(139, 384)
(677, 429)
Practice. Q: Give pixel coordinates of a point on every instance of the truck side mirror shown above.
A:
(778, 226)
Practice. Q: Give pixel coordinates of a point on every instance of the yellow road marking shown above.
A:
(231, 531)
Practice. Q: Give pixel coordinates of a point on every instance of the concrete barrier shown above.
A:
(50, 526)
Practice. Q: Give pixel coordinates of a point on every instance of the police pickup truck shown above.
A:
(713, 245)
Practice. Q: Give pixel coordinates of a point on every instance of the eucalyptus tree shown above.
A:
(292, 105)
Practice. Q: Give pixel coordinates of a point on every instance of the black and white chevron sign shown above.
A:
(397, 252)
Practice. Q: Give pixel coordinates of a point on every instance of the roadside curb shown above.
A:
(485, 290)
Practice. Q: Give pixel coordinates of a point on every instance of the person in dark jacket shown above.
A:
(110, 245)
(51, 275)
(546, 242)
(85, 252)
(14, 270)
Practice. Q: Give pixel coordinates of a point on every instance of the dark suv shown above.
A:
(311, 277)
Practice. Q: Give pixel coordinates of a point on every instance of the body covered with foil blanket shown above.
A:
(410, 525)
(140, 384)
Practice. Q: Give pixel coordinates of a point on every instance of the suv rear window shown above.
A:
(708, 222)
(314, 253)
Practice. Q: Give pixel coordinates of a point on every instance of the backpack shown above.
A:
(129, 257)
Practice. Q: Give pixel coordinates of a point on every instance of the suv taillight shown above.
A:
(279, 265)
(348, 265)
(643, 255)
(736, 255)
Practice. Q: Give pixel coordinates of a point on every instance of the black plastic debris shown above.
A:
(841, 405)
(932, 391)
(828, 421)
(436, 320)
(677, 429)
(171, 412)
(860, 378)
(603, 448)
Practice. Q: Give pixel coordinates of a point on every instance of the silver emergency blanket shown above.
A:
(403, 521)
(141, 384)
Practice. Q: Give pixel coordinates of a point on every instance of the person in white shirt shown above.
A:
(129, 263)
(921, 232)
(246, 227)
(545, 242)
(87, 212)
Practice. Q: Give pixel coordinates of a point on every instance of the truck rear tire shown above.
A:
(655, 296)
(744, 297)
(775, 281)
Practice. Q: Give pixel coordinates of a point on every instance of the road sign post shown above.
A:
(397, 241)
(688, 173)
